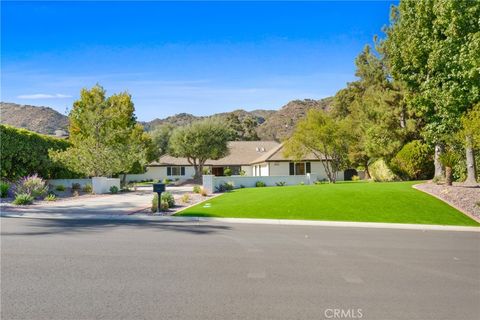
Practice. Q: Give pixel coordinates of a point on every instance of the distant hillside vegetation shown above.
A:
(280, 125)
(271, 124)
(182, 119)
(39, 119)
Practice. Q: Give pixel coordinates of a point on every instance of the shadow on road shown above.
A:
(59, 226)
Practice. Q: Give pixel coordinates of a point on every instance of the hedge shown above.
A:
(24, 152)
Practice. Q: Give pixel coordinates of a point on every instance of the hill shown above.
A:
(271, 124)
(39, 119)
(280, 125)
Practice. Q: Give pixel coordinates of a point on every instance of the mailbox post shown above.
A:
(159, 188)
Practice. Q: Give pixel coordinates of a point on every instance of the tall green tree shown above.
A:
(160, 138)
(433, 47)
(106, 139)
(470, 134)
(200, 141)
(374, 108)
(323, 136)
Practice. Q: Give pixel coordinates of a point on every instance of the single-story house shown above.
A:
(249, 158)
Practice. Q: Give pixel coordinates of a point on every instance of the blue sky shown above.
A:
(195, 57)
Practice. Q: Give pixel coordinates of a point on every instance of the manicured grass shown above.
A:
(394, 202)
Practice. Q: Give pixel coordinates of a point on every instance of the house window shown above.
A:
(175, 171)
(300, 168)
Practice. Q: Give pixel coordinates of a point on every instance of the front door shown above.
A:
(217, 171)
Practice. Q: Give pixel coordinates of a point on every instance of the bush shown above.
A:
(24, 152)
(186, 198)
(60, 187)
(260, 184)
(280, 183)
(23, 199)
(167, 181)
(50, 197)
(226, 186)
(379, 171)
(413, 162)
(113, 189)
(75, 193)
(242, 172)
(355, 178)
(227, 172)
(197, 189)
(203, 192)
(32, 185)
(167, 201)
(4, 189)
(87, 188)
(76, 186)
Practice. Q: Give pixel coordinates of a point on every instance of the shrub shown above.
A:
(4, 189)
(76, 186)
(280, 183)
(23, 199)
(379, 171)
(23, 152)
(50, 197)
(185, 198)
(167, 181)
(87, 188)
(227, 172)
(355, 178)
(260, 184)
(226, 186)
(32, 185)
(167, 201)
(75, 193)
(203, 192)
(197, 189)
(60, 187)
(302, 183)
(413, 162)
(242, 172)
(242, 186)
(113, 189)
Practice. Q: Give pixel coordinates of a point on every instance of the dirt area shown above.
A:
(181, 202)
(465, 198)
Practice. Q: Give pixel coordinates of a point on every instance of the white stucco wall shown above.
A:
(248, 170)
(67, 183)
(279, 168)
(264, 169)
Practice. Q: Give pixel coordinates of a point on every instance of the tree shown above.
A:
(242, 129)
(470, 134)
(324, 137)
(432, 47)
(160, 138)
(106, 139)
(374, 109)
(200, 141)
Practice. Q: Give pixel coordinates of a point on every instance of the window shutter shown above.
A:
(169, 171)
(182, 171)
(292, 168)
(308, 167)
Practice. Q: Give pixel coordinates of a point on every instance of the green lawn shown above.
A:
(395, 202)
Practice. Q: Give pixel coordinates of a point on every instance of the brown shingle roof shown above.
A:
(241, 153)
(277, 155)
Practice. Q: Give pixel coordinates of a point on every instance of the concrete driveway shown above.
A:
(109, 204)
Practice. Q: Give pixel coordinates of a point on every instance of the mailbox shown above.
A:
(159, 187)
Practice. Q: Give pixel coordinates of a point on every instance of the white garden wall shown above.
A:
(67, 183)
(102, 184)
(210, 183)
(160, 173)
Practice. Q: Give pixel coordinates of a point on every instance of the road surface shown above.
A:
(79, 269)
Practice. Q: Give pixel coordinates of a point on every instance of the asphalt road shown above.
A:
(64, 269)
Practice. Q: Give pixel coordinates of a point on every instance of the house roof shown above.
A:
(241, 153)
(277, 155)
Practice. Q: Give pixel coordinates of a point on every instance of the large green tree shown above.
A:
(374, 108)
(433, 47)
(200, 141)
(106, 139)
(323, 136)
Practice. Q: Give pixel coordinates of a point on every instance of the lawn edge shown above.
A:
(213, 196)
(468, 214)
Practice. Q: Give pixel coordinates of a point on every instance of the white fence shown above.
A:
(99, 184)
(210, 182)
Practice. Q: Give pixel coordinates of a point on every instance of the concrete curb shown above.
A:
(284, 222)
